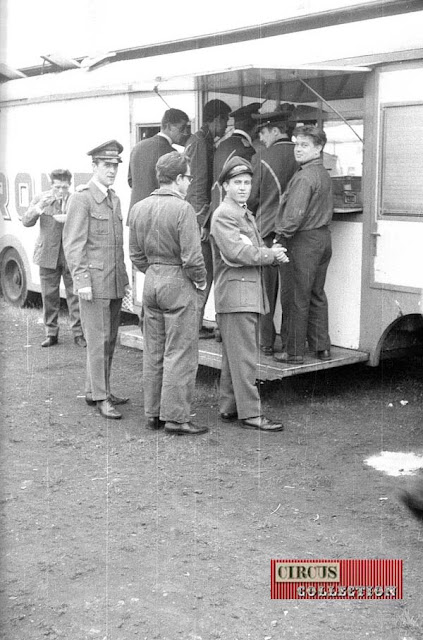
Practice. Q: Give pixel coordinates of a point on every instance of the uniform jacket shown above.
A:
(164, 230)
(49, 243)
(272, 170)
(200, 150)
(307, 202)
(238, 144)
(142, 166)
(93, 242)
(238, 254)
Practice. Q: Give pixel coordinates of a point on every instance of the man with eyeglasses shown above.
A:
(164, 243)
(144, 156)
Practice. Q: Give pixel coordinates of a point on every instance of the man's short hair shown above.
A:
(64, 175)
(170, 166)
(311, 131)
(215, 108)
(174, 116)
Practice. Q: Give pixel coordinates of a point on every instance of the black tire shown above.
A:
(13, 279)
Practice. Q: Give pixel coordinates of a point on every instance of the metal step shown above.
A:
(210, 355)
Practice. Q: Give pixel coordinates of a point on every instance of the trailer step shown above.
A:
(210, 355)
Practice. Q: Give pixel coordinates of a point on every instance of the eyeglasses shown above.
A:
(190, 178)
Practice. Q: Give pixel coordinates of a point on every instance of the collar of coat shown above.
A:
(167, 191)
(97, 192)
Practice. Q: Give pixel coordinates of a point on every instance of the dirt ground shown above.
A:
(113, 532)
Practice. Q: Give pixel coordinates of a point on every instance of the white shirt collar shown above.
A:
(165, 136)
(102, 188)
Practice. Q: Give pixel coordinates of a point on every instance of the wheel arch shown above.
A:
(9, 241)
(404, 336)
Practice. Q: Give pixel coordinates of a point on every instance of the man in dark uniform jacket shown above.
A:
(239, 143)
(302, 227)
(93, 244)
(50, 209)
(142, 164)
(273, 167)
(239, 254)
(200, 151)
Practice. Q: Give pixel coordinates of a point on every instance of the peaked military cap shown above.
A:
(280, 116)
(235, 166)
(109, 151)
(246, 112)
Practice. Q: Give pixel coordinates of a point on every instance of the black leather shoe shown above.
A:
(117, 400)
(268, 351)
(155, 423)
(206, 334)
(80, 341)
(89, 399)
(50, 341)
(184, 428)
(107, 410)
(324, 355)
(262, 424)
(287, 359)
(229, 417)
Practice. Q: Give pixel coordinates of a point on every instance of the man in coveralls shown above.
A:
(50, 209)
(238, 254)
(93, 243)
(164, 244)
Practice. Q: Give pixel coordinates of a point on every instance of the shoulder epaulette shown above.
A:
(82, 187)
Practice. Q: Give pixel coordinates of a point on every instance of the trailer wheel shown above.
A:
(13, 280)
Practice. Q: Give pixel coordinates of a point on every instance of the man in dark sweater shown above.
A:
(142, 163)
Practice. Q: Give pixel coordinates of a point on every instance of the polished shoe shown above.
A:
(184, 428)
(287, 359)
(229, 417)
(324, 355)
(206, 334)
(107, 410)
(262, 424)
(116, 399)
(50, 341)
(89, 399)
(80, 341)
(268, 351)
(155, 423)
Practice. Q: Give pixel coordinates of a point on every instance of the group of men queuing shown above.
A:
(252, 218)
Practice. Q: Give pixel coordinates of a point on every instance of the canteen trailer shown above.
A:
(372, 112)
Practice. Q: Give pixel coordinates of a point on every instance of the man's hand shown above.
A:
(127, 289)
(279, 253)
(204, 234)
(85, 293)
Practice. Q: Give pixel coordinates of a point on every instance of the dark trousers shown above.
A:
(270, 280)
(170, 329)
(50, 292)
(304, 302)
(208, 261)
(100, 321)
(238, 391)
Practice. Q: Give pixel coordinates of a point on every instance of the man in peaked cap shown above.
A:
(200, 151)
(93, 244)
(273, 166)
(238, 254)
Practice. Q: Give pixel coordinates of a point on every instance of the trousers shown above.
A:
(50, 293)
(270, 279)
(304, 302)
(100, 322)
(171, 307)
(208, 261)
(238, 392)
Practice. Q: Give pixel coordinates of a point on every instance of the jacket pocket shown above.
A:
(99, 222)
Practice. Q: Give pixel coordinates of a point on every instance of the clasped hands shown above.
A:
(280, 253)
